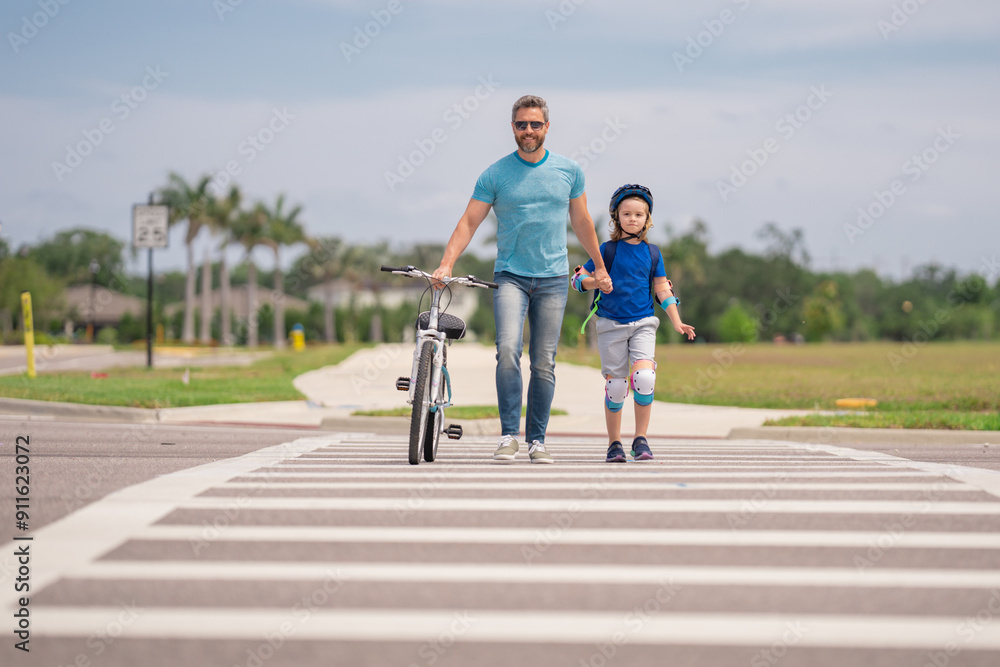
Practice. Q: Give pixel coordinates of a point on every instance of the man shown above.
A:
(531, 191)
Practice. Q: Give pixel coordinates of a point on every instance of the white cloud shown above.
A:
(679, 134)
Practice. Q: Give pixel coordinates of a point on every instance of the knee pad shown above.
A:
(615, 392)
(643, 382)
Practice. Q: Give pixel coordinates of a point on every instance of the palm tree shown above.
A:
(249, 229)
(188, 203)
(205, 334)
(361, 265)
(283, 229)
(222, 215)
(325, 263)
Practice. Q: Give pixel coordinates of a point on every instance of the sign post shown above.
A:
(150, 230)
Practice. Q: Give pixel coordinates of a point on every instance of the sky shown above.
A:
(871, 125)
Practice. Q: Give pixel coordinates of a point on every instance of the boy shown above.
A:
(626, 324)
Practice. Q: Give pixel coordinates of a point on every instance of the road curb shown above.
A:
(843, 435)
(97, 413)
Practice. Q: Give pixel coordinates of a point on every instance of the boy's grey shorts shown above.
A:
(621, 345)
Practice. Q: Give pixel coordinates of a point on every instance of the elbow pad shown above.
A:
(670, 300)
(577, 282)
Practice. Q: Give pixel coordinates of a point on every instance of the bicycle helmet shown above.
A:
(630, 190)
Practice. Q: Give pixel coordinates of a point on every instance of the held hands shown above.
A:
(602, 280)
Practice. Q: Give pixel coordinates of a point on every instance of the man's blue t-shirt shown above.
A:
(631, 299)
(531, 202)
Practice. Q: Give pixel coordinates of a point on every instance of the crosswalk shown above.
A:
(332, 550)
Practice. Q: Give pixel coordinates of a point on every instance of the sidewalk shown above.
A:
(367, 381)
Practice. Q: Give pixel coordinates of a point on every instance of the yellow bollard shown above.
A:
(29, 332)
(298, 338)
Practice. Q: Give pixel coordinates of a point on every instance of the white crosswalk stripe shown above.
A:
(712, 546)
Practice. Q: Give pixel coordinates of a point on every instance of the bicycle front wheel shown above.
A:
(421, 403)
(436, 420)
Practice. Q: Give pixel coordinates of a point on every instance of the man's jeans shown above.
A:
(543, 302)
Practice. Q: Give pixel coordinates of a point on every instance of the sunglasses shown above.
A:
(522, 125)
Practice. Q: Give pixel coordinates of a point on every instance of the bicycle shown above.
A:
(427, 394)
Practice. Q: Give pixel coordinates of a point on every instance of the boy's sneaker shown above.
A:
(506, 449)
(615, 453)
(537, 453)
(640, 449)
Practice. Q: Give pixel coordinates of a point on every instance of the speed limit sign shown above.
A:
(149, 226)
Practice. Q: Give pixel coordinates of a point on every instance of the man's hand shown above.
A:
(443, 271)
(603, 280)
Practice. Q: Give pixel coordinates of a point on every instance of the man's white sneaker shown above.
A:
(537, 453)
(506, 449)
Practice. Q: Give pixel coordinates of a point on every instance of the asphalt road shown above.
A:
(269, 547)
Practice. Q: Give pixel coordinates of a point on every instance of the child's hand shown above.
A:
(685, 329)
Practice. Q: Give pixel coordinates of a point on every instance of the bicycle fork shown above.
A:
(439, 397)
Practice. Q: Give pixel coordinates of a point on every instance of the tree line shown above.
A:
(740, 296)
(729, 296)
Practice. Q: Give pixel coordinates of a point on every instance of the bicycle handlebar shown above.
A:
(411, 271)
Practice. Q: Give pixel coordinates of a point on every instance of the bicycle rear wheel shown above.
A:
(432, 435)
(421, 413)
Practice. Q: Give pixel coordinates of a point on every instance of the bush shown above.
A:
(43, 338)
(131, 328)
(737, 326)
(823, 312)
(107, 336)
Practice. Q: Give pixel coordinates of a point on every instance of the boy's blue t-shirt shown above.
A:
(631, 299)
(531, 202)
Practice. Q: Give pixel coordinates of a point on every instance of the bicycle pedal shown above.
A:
(403, 384)
(454, 431)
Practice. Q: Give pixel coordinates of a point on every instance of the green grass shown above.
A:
(939, 385)
(269, 379)
(949, 385)
(454, 412)
(936, 419)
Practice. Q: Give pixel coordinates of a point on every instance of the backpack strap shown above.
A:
(608, 254)
(654, 259)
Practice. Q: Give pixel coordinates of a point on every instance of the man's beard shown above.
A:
(521, 143)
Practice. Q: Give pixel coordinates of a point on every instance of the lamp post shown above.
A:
(94, 268)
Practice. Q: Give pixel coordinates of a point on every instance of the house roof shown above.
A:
(107, 305)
